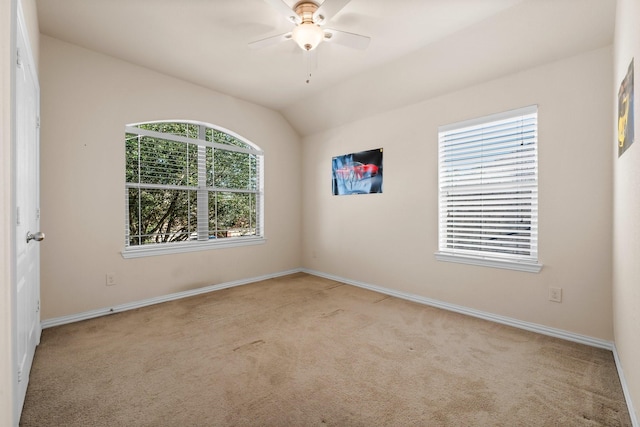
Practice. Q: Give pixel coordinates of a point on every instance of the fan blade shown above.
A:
(328, 9)
(285, 10)
(355, 41)
(270, 41)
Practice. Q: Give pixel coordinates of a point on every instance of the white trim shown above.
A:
(490, 118)
(202, 190)
(625, 389)
(189, 188)
(508, 264)
(12, 34)
(57, 321)
(198, 123)
(528, 326)
(184, 247)
(193, 141)
(488, 200)
(532, 327)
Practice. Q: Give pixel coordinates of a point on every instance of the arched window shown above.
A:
(190, 186)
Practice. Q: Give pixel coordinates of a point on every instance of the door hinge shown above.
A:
(19, 375)
(38, 214)
(18, 58)
(38, 307)
(17, 215)
(37, 122)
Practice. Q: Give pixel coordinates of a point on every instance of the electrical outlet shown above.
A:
(111, 279)
(555, 294)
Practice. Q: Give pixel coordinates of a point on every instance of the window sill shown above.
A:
(529, 267)
(179, 248)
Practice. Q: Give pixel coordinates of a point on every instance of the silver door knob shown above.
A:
(39, 236)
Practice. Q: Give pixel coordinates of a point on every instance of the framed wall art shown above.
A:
(357, 173)
(625, 112)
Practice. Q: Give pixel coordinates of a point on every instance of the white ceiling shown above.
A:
(419, 48)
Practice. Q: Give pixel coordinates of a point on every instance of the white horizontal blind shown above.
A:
(488, 187)
(175, 176)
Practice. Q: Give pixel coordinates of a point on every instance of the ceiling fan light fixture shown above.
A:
(308, 35)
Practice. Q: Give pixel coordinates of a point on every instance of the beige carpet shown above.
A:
(306, 351)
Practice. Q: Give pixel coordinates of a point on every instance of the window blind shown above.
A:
(488, 187)
(188, 183)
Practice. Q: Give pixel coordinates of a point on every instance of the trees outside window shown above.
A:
(190, 184)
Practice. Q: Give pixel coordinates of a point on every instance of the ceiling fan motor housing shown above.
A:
(305, 10)
(307, 33)
(307, 17)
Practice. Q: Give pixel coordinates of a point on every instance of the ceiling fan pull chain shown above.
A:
(311, 64)
(307, 62)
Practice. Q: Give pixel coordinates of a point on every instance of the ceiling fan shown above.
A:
(308, 16)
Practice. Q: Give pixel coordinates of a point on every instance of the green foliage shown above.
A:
(163, 208)
(230, 169)
(232, 214)
(161, 216)
(214, 135)
(188, 130)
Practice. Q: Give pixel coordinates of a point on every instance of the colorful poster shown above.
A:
(625, 112)
(358, 173)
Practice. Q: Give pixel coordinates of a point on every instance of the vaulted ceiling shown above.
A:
(418, 49)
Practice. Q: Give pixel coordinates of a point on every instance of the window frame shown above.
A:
(482, 256)
(152, 249)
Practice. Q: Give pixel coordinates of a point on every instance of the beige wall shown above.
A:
(626, 225)
(385, 239)
(31, 19)
(389, 239)
(87, 98)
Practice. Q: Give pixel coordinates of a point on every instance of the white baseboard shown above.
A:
(533, 327)
(625, 389)
(57, 321)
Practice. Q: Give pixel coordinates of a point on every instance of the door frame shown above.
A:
(9, 374)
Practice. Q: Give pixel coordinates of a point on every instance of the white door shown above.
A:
(27, 237)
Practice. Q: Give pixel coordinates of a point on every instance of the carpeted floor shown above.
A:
(306, 351)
